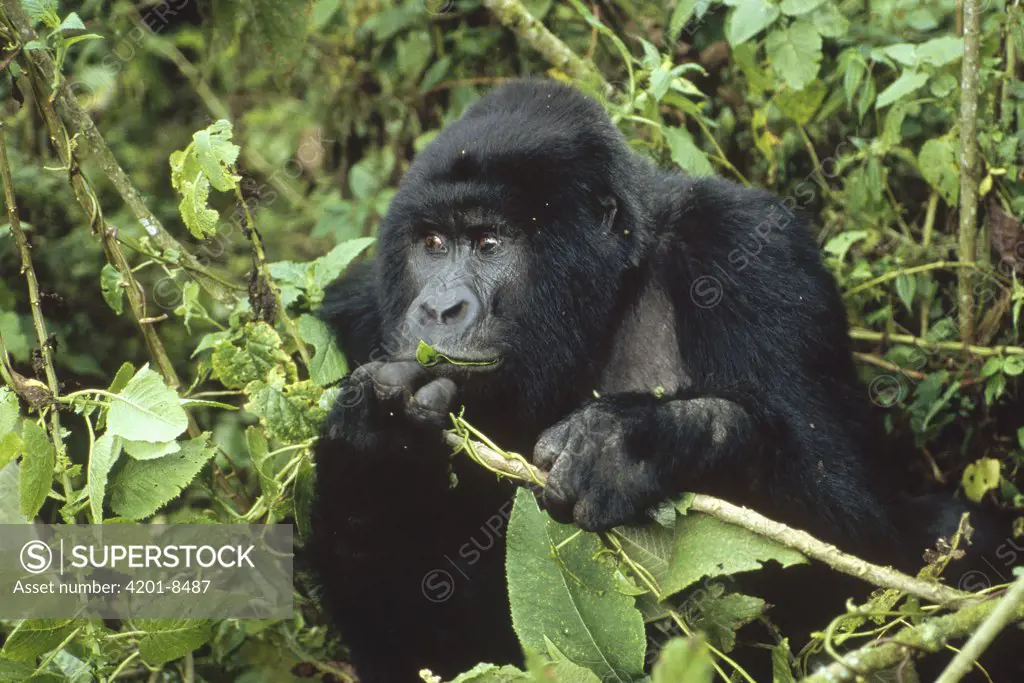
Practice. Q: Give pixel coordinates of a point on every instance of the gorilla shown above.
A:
(640, 332)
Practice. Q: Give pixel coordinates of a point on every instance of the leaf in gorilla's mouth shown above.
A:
(428, 356)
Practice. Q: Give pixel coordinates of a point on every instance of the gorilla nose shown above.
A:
(455, 309)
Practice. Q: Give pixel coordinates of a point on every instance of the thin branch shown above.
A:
(515, 17)
(81, 122)
(1009, 609)
(968, 236)
(932, 346)
(39, 322)
(516, 467)
(893, 274)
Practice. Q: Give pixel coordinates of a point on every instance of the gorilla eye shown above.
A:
(434, 243)
(486, 243)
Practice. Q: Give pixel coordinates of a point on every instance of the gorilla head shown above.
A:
(498, 230)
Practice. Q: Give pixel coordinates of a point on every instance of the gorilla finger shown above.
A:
(550, 445)
(558, 503)
(433, 402)
(393, 380)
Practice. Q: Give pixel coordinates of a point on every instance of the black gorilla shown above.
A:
(642, 333)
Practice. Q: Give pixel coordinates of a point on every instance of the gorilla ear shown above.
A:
(611, 207)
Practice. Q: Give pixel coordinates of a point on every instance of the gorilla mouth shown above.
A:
(428, 357)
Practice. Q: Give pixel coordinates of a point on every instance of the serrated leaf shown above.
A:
(906, 288)
(199, 218)
(782, 672)
(147, 410)
(170, 639)
(681, 660)
(11, 447)
(795, 53)
(259, 451)
(36, 471)
(570, 599)
(908, 82)
(800, 105)
(9, 410)
(144, 486)
(331, 265)
(748, 19)
(291, 413)
(216, 154)
(705, 546)
(938, 164)
(38, 10)
(143, 450)
(33, 637)
(328, 364)
(718, 615)
(829, 22)
(104, 454)
(72, 22)
(491, 673)
(110, 286)
(254, 353)
(684, 9)
(685, 152)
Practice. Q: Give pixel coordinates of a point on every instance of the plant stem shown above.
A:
(928, 345)
(893, 274)
(968, 234)
(38, 321)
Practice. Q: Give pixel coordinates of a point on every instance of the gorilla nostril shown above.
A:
(454, 312)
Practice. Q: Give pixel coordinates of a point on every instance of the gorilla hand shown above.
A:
(593, 479)
(376, 397)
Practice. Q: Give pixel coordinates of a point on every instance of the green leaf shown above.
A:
(795, 53)
(795, 8)
(170, 639)
(36, 472)
(110, 286)
(147, 410)
(749, 18)
(142, 450)
(259, 451)
(291, 413)
(569, 598)
(9, 410)
(1013, 365)
(11, 447)
(705, 546)
(839, 245)
(331, 265)
(980, 477)
(104, 454)
(123, 375)
(328, 364)
(199, 218)
(680, 15)
(491, 673)
(305, 482)
(941, 51)
(908, 82)
(718, 615)
(428, 356)
(38, 10)
(906, 288)
(682, 660)
(686, 154)
(216, 155)
(33, 637)
(144, 486)
(938, 164)
(72, 22)
(829, 22)
(992, 366)
(782, 672)
(800, 105)
(277, 32)
(254, 353)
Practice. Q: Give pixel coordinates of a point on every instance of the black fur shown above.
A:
(530, 234)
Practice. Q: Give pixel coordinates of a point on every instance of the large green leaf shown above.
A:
(144, 486)
(256, 353)
(328, 364)
(705, 546)
(795, 53)
(147, 410)
(937, 162)
(569, 598)
(33, 637)
(749, 18)
(908, 82)
(686, 153)
(170, 639)
(9, 410)
(104, 454)
(216, 154)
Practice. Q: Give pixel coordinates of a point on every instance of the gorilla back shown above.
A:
(640, 332)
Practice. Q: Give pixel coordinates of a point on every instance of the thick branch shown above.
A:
(1009, 609)
(82, 123)
(885, 577)
(968, 246)
(929, 636)
(933, 346)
